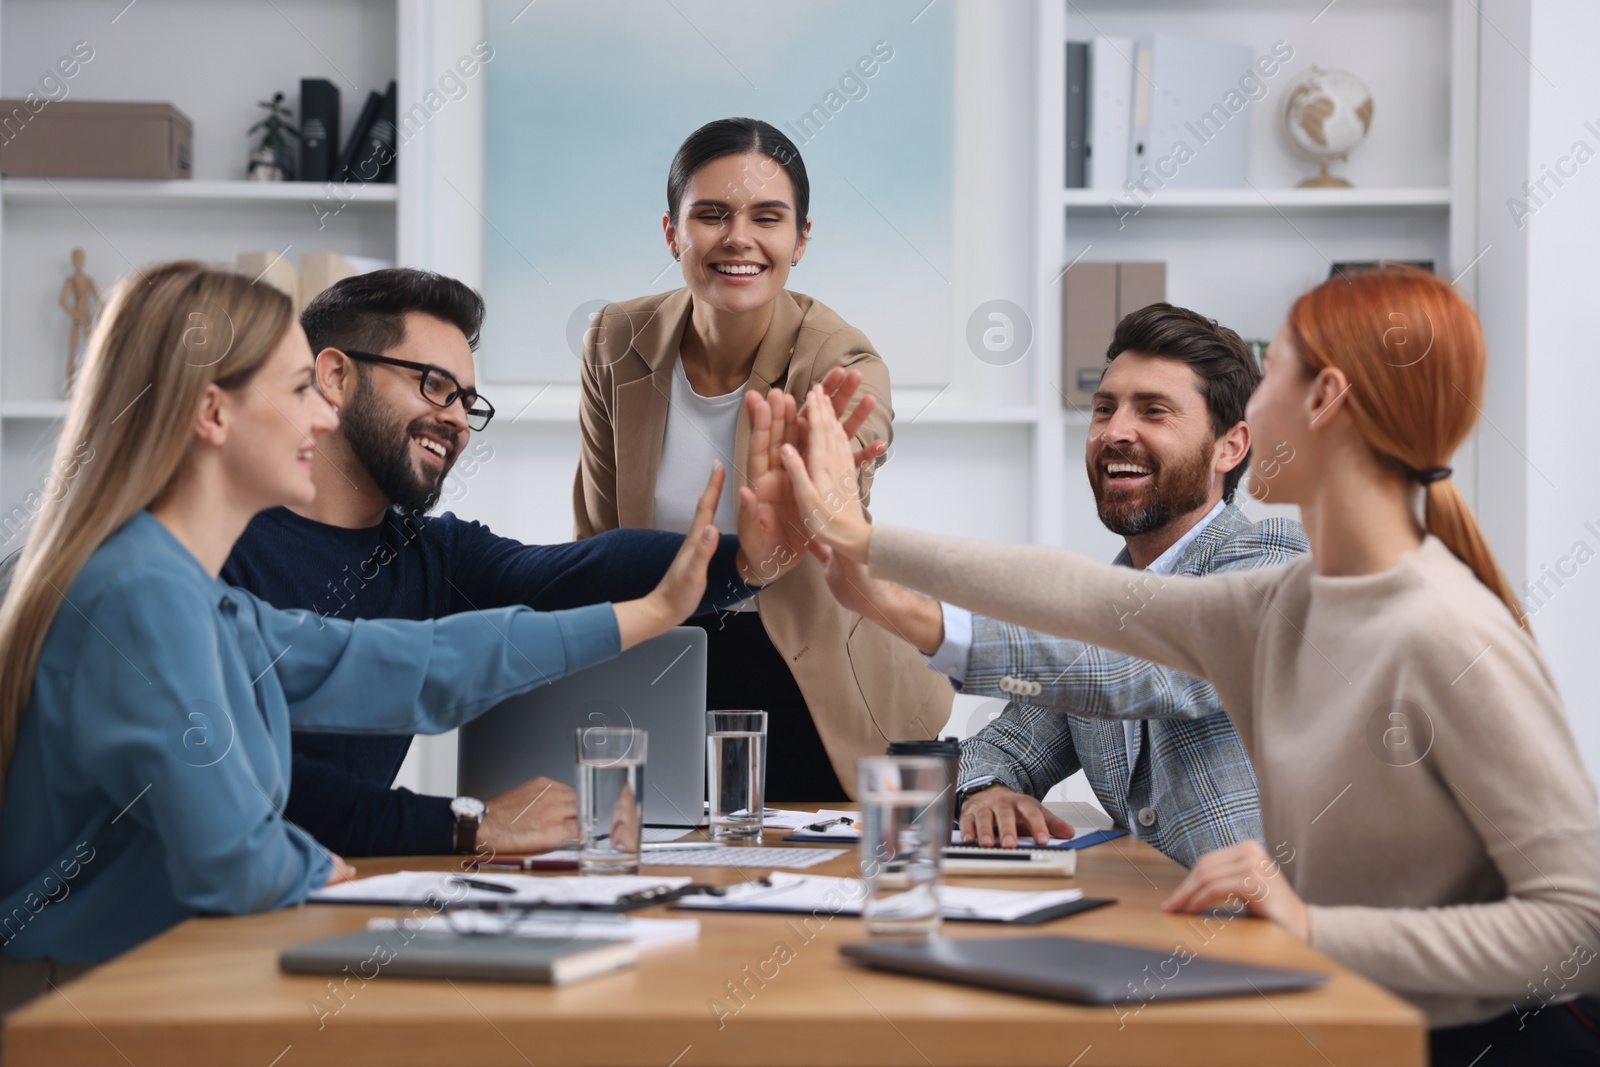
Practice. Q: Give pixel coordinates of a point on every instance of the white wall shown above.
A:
(959, 479)
(1546, 522)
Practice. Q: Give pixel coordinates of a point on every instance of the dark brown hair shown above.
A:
(726, 137)
(1227, 370)
(366, 313)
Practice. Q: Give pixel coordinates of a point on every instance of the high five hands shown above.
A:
(772, 535)
(824, 483)
(772, 526)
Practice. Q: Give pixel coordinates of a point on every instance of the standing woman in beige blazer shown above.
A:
(664, 378)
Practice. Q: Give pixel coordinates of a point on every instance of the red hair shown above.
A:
(1413, 353)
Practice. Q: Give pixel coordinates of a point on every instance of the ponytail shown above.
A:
(1448, 518)
(1413, 353)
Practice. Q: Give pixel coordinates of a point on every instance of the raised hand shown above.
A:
(910, 616)
(772, 539)
(824, 481)
(680, 590)
(849, 583)
(840, 385)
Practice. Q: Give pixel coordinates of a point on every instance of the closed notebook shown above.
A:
(443, 954)
(969, 860)
(1070, 968)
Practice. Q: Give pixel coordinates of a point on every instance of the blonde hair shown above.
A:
(1413, 353)
(166, 334)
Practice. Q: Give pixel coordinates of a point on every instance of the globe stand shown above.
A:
(1324, 180)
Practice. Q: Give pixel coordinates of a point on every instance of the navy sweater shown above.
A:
(422, 567)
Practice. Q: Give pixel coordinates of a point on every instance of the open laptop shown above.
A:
(658, 686)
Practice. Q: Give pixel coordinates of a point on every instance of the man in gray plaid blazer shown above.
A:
(1179, 778)
(1166, 449)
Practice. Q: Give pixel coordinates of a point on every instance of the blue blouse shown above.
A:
(152, 760)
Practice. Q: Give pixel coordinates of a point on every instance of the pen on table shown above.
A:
(523, 863)
(478, 883)
(827, 824)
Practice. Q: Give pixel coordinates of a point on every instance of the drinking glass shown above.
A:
(610, 799)
(735, 758)
(905, 824)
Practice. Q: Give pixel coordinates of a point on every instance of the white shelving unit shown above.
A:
(1241, 255)
(1265, 200)
(992, 454)
(171, 50)
(46, 191)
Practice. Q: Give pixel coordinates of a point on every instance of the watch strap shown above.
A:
(466, 835)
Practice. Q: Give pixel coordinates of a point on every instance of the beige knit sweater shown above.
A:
(1409, 743)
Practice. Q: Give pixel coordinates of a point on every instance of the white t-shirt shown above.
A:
(701, 430)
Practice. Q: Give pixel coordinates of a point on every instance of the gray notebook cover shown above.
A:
(442, 954)
(1070, 968)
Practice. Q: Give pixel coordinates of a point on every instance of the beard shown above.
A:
(1175, 489)
(383, 446)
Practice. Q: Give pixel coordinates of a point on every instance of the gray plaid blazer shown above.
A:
(1191, 780)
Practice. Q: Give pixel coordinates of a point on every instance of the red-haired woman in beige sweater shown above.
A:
(1419, 781)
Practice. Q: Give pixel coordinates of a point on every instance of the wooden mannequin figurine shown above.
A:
(84, 304)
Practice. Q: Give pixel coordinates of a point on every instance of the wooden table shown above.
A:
(210, 992)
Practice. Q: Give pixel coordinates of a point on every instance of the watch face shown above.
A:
(467, 808)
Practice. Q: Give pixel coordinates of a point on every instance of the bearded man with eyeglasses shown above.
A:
(394, 357)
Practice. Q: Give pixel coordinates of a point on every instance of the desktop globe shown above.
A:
(1325, 116)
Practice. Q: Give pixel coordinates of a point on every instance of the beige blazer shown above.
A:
(865, 686)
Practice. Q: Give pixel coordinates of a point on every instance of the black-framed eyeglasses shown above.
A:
(439, 387)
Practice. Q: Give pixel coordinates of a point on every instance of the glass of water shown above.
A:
(610, 799)
(736, 744)
(905, 824)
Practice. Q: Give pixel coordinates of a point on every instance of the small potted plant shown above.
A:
(270, 160)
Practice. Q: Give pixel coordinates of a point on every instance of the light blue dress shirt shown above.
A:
(152, 760)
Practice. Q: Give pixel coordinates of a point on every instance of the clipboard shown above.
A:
(442, 890)
(1084, 840)
(813, 894)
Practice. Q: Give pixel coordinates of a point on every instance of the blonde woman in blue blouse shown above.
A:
(145, 706)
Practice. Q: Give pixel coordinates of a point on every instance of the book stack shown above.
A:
(368, 154)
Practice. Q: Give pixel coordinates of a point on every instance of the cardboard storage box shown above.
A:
(1094, 298)
(94, 139)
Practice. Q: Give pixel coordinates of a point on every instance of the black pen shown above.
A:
(843, 820)
(474, 883)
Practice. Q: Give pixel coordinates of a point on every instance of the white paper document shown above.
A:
(724, 856)
(847, 831)
(656, 834)
(783, 819)
(438, 889)
(645, 933)
(843, 896)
